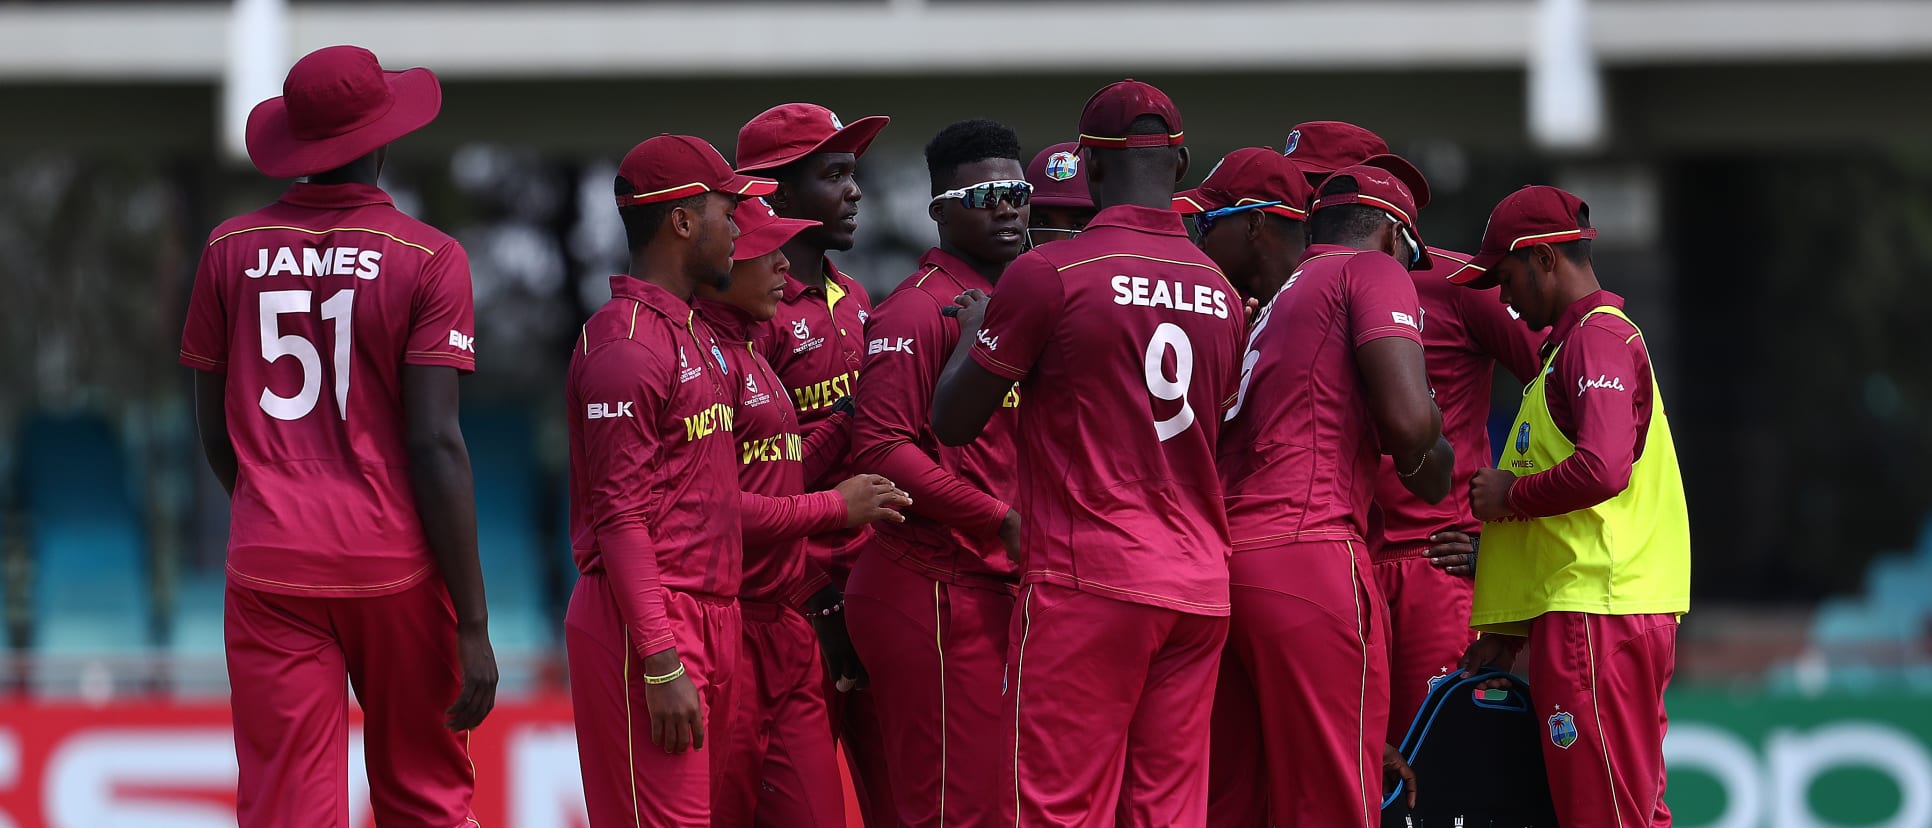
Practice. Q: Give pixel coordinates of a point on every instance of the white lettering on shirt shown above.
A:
(1168, 293)
(606, 411)
(1603, 381)
(463, 343)
(317, 262)
(1403, 318)
(992, 343)
(901, 345)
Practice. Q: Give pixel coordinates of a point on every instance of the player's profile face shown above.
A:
(824, 188)
(995, 233)
(758, 284)
(1519, 290)
(1054, 223)
(716, 233)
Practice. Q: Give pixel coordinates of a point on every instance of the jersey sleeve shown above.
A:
(204, 338)
(824, 446)
(1600, 381)
(1500, 333)
(442, 324)
(909, 344)
(621, 453)
(1381, 300)
(770, 520)
(1020, 317)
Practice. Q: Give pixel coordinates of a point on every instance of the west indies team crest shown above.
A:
(1061, 166)
(1563, 730)
(1522, 438)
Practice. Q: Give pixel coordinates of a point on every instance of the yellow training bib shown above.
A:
(1629, 555)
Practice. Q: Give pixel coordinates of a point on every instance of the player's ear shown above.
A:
(1545, 257)
(780, 199)
(1180, 164)
(684, 221)
(937, 212)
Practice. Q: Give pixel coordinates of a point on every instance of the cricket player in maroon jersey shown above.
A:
(1126, 342)
(1061, 205)
(781, 771)
(816, 343)
(1333, 377)
(1588, 531)
(653, 625)
(327, 332)
(1424, 553)
(1249, 215)
(930, 599)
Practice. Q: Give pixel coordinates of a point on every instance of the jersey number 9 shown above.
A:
(1170, 336)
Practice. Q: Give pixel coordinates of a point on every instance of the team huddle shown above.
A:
(1093, 520)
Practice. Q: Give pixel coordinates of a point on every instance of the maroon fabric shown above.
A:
(1248, 176)
(669, 167)
(1108, 115)
(1599, 393)
(337, 105)
(311, 307)
(788, 132)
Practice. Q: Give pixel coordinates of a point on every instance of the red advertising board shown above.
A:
(166, 764)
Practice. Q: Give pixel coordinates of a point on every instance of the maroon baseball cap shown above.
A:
(760, 230)
(1059, 177)
(337, 105)
(1376, 185)
(1109, 113)
(1255, 175)
(1530, 216)
(788, 132)
(1322, 147)
(670, 167)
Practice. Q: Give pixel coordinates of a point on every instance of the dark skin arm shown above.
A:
(967, 394)
(211, 419)
(1405, 414)
(439, 476)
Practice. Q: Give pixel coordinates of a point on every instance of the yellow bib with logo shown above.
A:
(1629, 555)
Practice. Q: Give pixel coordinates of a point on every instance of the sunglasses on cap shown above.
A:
(1415, 250)
(986, 194)
(1205, 221)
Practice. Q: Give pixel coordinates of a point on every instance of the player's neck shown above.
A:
(988, 270)
(657, 266)
(1577, 285)
(808, 262)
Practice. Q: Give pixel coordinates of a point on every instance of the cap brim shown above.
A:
(1411, 177)
(855, 138)
(1189, 202)
(768, 237)
(275, 150)
(746, 186)
(1478, 273)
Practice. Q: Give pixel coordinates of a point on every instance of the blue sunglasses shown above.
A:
(1204, 221)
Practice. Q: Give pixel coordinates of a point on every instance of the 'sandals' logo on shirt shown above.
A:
(991, 342)
(1603, 381)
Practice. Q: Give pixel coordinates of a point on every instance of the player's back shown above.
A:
(312, 306)
(1128, 338)
(1299, 454)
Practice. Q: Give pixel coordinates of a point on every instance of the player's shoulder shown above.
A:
(623, 320)
(1603, 325)
(927, 285)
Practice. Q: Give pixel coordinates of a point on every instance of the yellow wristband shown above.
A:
(667, 678)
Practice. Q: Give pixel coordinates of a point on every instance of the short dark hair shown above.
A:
(1577, 252)
(1346, 224)
(641, 221)
(964, 142)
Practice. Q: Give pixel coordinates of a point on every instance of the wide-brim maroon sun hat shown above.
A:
(338, 105)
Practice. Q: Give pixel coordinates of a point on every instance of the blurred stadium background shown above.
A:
(1758, 169)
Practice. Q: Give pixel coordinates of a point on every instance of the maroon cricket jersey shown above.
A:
(1465, 333)
(1126, 342)
(1599, 391)
(312, 306)
(653, 468)
(1300, 452)
(773, 459)
(816, 343)
(959, 493)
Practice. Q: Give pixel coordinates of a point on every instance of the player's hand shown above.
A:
(1489, 493)
(972, 309)
(1491, 652)
(1010, 535)
(677, 717)
(1393, 763)
(1452, 552)
(1253, 306)
(841, 658)
(869, 497)
(478, 696)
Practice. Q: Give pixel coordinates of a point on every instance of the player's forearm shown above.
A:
(1579, 482)
(629, 555)
(1432, 476)
(211, 421)
(825, 444)
(439, 475)
(936, 493)
(768, 520)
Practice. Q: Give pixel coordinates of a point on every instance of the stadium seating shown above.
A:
(91, 605)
